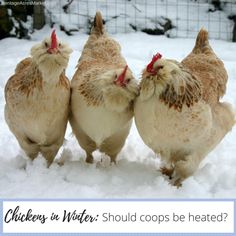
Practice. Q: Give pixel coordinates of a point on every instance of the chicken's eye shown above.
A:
(160, 67)
(46, 44)
(59, 44)
(115, 76)
(128, 80)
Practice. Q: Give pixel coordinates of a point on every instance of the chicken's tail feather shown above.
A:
(98, 24)
(202, 44)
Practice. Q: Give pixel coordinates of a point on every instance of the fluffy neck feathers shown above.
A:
(114, 98)
(50, 75)
(181, 88)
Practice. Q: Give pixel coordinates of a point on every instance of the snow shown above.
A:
(136, 174)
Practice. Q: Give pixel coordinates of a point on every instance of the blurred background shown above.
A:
(173, 18)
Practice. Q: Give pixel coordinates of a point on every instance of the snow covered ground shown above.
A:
(136, 174)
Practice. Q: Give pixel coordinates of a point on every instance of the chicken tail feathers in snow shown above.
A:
(98, 24)
(202, 44)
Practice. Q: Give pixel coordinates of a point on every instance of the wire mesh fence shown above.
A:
(175, 18)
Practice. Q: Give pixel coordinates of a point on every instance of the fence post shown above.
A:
(39, 15)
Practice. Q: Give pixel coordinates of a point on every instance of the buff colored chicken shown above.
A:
(37, 99)
(103, 91)
(178, 113)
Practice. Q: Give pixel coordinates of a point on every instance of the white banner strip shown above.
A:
(118, 217)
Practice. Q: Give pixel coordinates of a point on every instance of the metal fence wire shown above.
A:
(174, 18)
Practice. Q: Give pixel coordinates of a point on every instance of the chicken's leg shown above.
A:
(112, 145)
(167, 171)
(30, 148)
(49, 152)
(84, 140)
(185, 168)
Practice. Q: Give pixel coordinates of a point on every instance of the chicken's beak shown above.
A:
(53, 49)
(121, 79)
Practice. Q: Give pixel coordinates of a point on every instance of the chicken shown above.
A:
(37, 99)
(103, 91)
(178, 113)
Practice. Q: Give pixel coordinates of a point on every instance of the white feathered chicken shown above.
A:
(178, 113)
(37, 99)
(103, 90)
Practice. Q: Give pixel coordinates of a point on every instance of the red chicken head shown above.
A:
(121, 81)
(149, 67)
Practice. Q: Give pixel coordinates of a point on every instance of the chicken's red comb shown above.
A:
(53, 39)
(149, 67)
(122, 75)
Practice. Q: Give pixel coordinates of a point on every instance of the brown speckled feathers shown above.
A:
(190, 94)
(27, 77)
(100, 54)
(207, 68)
